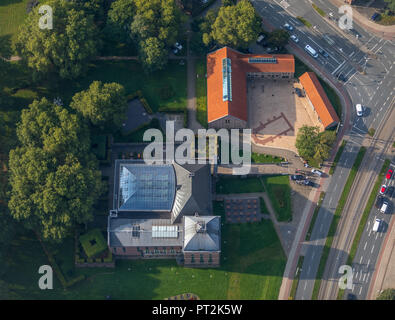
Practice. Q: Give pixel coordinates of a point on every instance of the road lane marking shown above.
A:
(371, 251)
(360, 290)
(360, 261)
(365, 246)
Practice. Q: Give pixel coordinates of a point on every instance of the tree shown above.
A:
(64, 50)
(390, 4)
(54, 178)
(119, 19)
(278, 38)
(236, 25)
(312, 144)
(153, 54)
(103, 104)
(306, 141)
(388, 294)
(155, 29)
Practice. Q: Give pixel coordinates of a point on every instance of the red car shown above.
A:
(383, 189)
(389, 174)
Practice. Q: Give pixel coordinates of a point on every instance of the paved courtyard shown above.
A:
(242, 210)
(276, 112)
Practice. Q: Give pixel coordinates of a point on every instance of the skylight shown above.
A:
(226, 80)
(262, 60)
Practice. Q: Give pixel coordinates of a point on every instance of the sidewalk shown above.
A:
(386, 32)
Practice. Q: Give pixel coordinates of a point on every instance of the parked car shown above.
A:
(308, 183)
(317, 172)
(261, 38)
(383, 189)
(389, 174)
(375, 16)
(324, 53)
(299, 92)
(379, 202)
(294, 38)
(296, 177)
(271, 50)
(288, 27)
(359, 109)
(351, 296)
(342, 77)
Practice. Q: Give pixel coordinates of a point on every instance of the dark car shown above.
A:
(296, 177)
(342, 77)
(390, 192)
(375, 16)
(308, 183)
(299, 92)
(324, 53)
(351, 296)
(379, 202)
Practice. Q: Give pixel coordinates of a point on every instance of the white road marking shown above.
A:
(360, 261)
(371, 251)
(365, 245)
(360, 290)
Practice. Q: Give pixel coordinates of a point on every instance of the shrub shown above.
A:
(372, 132)
(93, 243)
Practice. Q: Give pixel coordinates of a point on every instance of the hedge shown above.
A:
(139, 94)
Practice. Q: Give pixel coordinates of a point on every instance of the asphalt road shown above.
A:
(350, 53)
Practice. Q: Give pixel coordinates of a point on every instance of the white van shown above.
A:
(359, 109)
(376, 225)
(311, 51)
(384, 207)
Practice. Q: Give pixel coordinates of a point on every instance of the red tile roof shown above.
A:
(319, 99)
(216, 107)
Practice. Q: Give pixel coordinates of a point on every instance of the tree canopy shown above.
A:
(64, 50)
(103, 104)
(235, 25)
(312, 144)
(54, 178)
(120, 17)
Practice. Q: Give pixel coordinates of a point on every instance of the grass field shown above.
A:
(12, 14)
(201, 92)
(264, 158)
(279, 191)
(227, 185)
(252, 266)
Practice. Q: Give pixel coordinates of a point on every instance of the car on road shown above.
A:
(375, 16)
(324, 53)
(317, 172)
(376, 225)
(384, 207)
(311, 51)
(351, 296)
(288, 26)
(341, 77)
(390, 192)
(383, 189)
(379, 202)
(359, 109)
(389, 174)
(294, 38)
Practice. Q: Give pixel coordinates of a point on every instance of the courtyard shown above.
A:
(276, 112)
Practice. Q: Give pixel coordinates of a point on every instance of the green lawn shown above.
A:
(12, 14)
(264, 158)
(252, 265)
(226, 185)
(201, 92)
(279, 191)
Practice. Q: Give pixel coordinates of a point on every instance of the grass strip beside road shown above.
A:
(315, 214)
(319, 10)
(304, 21)
(335, 221)
(337, 157)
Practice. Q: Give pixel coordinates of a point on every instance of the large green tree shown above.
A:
(155, 29)
(54, 178)
(103, 104)
(119, 19)
(278, 38)
(65, 49)
(312, 144)
(235, 25)
(391, 4)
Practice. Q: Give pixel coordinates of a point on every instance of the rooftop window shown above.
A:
(262, 60)
(226, 80)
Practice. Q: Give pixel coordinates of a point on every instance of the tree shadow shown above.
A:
(5, 46)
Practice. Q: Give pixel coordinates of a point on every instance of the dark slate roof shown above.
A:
(193, 190)
(124, 232)
(202, 233)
